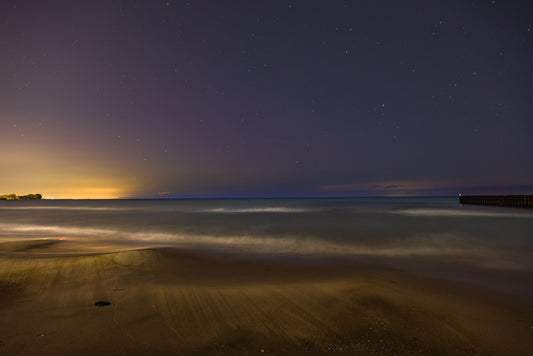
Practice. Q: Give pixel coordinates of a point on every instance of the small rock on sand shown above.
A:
(101, 303)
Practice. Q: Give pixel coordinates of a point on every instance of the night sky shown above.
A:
(108, 99)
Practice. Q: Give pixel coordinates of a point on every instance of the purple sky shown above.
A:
(265, 98)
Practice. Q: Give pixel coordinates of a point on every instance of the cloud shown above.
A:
(388, 186)
(427, 187)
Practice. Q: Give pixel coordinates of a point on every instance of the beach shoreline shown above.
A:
(167, 300)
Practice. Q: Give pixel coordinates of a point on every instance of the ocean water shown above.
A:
(422, 232)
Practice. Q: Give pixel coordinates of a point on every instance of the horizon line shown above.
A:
(266, 197)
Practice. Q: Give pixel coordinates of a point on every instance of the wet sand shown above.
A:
(169, 301)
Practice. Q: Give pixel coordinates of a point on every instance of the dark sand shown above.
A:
(167, 301)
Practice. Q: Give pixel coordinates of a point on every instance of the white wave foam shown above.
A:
(258, 210)
(217, 210)
(418, 246)
(59, 230)
(453, 212)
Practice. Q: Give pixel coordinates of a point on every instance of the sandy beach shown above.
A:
(167, 301)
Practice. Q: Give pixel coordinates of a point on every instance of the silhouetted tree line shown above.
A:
(20, 197)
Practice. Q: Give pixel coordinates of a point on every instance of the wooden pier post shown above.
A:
(517, 201)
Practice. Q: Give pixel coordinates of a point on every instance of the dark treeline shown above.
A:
(20, 197)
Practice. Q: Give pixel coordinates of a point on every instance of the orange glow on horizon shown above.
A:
(63, 173)
(70, 188)
(88, 193)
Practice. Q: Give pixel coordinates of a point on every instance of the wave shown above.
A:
(431, 246)
(258, 210)
(169, 209)
(466, 213)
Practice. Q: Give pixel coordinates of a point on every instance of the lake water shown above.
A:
(419, 232)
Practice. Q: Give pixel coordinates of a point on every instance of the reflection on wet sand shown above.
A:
(167, 300)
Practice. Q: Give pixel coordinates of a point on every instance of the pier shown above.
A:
(517, 201)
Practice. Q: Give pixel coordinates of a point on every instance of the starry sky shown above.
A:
(108, 99)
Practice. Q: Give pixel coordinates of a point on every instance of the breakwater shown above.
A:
(518, 201)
